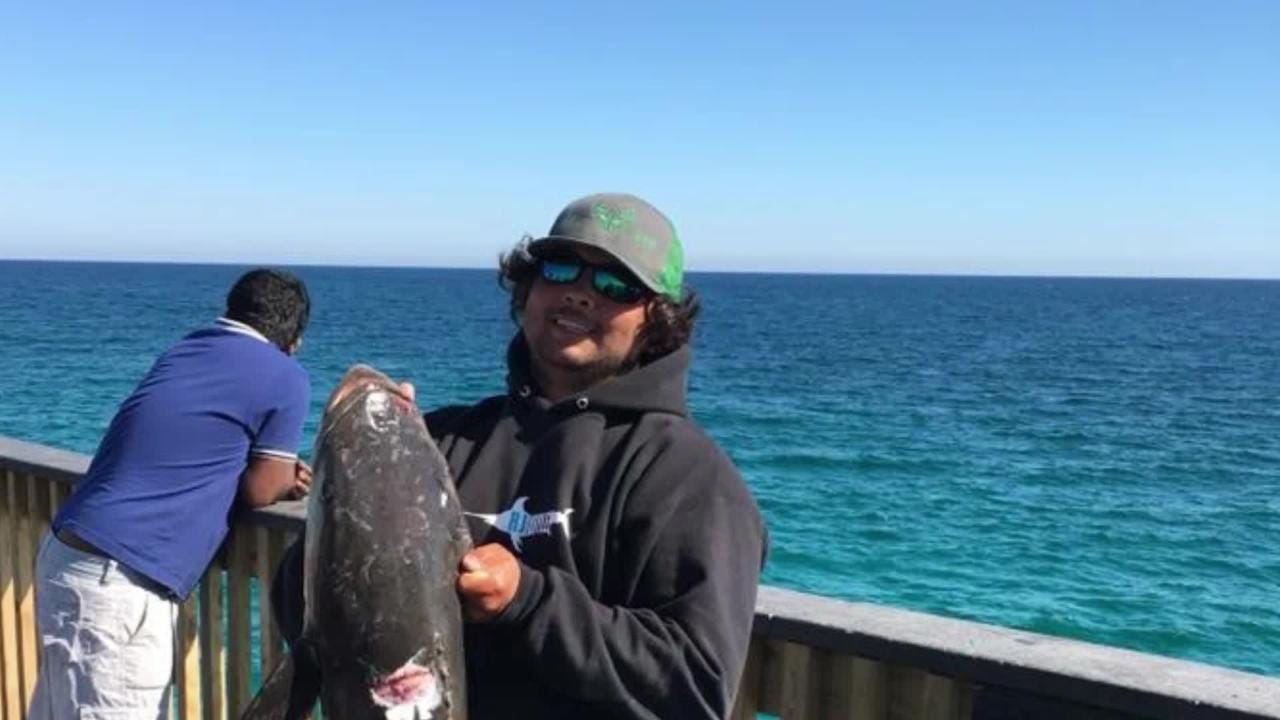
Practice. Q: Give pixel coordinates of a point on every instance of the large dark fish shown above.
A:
(382, 631)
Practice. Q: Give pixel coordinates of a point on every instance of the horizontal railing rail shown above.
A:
(811, 657)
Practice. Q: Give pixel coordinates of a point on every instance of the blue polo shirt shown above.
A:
(158, 495)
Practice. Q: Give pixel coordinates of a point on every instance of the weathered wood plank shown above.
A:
(856, 689)
(239, 571)
(918, 695)
(39, 508)
(268, 552)
(801, 669)
(24, 586)
(11, 685)
(965, 695)
(213, 676)
(770, 698)
(58, 493)
(188, 665)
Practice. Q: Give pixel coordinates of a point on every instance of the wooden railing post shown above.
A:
(239, 561)
(213, 671)
(800, 673)
(11, 683)
(24, 570)
(920, 695)
(187, 669)
(858, 689)
(264, 568)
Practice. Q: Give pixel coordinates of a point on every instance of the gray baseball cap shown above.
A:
(630, 230)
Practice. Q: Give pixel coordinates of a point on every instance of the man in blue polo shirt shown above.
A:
(218, 417)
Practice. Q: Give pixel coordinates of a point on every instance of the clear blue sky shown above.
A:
(1112, 137)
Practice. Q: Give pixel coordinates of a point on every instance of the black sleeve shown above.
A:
(692, 543)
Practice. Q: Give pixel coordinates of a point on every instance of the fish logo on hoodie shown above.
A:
(519, 524)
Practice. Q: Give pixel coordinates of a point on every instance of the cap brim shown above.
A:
(551, 242)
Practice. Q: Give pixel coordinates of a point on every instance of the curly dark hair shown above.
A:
(272, 302)
(668, 324)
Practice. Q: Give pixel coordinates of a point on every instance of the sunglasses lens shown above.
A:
(560, 272)
(611, 285)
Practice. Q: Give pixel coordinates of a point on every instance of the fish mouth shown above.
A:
(361, 387)
(358, 377)
(411, 685)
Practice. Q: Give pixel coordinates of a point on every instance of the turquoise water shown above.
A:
(1098, 459)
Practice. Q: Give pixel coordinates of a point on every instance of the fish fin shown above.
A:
(289, 692)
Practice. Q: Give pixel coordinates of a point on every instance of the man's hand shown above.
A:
(487, 581)
(301, 482)
(271, 478)
(404, 395)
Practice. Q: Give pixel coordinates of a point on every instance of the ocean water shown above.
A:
(1097, 459)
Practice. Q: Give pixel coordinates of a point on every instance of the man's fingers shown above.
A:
(488, 581)
(479, 593)
(475, 583)
(472, 563)
(475, 579)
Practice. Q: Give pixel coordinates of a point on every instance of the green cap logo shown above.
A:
(613, 219)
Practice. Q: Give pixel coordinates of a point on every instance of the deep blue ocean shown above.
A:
(1091, 458)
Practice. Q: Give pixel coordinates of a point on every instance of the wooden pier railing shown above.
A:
(812, 658)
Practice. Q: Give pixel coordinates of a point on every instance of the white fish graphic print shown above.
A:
(518, 524)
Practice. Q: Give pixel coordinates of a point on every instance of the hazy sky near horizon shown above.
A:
(1111, 137)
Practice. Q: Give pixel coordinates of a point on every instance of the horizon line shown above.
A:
(708, 271)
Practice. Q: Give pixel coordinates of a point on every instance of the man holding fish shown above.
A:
(617, 549)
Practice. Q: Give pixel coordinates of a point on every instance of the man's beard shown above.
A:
(582, 376)
(578, 375)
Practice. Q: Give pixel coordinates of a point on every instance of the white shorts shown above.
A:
(106, 639)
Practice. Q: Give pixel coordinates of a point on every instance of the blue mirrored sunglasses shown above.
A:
(611, 282)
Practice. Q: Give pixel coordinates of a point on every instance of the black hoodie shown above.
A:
(640, 549)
